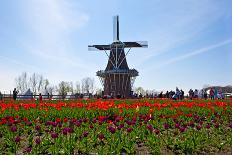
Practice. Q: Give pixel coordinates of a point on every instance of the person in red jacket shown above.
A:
(40, 97)
(211, 93)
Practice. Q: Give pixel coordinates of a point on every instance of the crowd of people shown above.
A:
(179, 94)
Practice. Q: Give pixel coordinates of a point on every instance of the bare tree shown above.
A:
(71, 87)
(140, 90)
(22, 82)
(99, 91)
(19, 85)
(88, 85)
(33, 82)
(46, 83)
(51, 89)
(78, 88)
(64, 88)
(40, 83)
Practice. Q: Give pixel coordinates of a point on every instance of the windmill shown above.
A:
(117, 78)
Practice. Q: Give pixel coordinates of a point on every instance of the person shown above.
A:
(167, 94)
(49, 97)
(220, 96)
(215, 93)
(160, 94)
(191, 94)
(174, 97)
(118, 96)
(171, 93)
(40, 97)
(195, 93)
(211, 93)
(0, 96)
(178, 93)
(205, 94)
(15, 93)
(181, 94)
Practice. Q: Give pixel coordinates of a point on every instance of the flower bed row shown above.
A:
(115, 126)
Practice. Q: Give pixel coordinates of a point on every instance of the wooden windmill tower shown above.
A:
(117, 78)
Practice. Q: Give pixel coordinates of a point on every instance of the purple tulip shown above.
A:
(13, 129)
(128, 122)
(150, 127)
(129, 130)
(17, 139)
(91, 126)
(201, 122)
(166, 126)
(157, 131)
(46, 130)
(175, 120)
(85, 120)
(54, 124)
(60, 125)
(65, 131)
(230, 125)
(177, 126)
(85, 133)
(216, 125)
(37, 128)
(117, 119)
(199, 127)
(47, 123)
(191, 124)
(27, 150)
(78, 124)
(214, 121)
(111, 129)
(94, 120)
(120, 126)
(54, 135)
(28, 123)
(208, 126)
(70, 130)
(37, 141)
(101, 136)
(182, 129)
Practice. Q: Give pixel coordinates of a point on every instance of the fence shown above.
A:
(53, 97)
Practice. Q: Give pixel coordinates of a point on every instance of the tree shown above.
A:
(99, 91)
(139, 90)
(88, 85)
(78, 88)
(64, 88)
(51, 89)
(46, 83)
(33, 82)
(40, 83)
(71, 87)
(22, 82)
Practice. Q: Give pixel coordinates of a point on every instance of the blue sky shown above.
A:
(190, 41)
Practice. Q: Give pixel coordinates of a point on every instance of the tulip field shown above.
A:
(129, 126)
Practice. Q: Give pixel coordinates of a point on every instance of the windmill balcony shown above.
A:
(131, 72)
